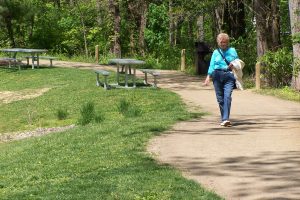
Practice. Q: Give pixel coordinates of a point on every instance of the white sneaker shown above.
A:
(226, 123)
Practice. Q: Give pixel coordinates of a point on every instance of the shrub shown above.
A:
(123, 106)
(99, 118)
(246, 49)
(87, 112)
(127, 110)
(277, 69)
(61, 114)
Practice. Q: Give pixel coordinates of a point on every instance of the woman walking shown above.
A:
(220, 70)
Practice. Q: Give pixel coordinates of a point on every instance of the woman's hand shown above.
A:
(207, 80)
(230, 66)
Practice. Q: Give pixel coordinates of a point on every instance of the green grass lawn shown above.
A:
(283, 93)
(104, 159)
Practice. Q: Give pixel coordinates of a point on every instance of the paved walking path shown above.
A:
(258, 158)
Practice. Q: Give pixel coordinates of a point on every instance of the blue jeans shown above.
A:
(224, 83)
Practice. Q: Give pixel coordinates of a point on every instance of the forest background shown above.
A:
(157, 30)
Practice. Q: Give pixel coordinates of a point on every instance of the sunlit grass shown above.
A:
(104, 159)
(283, 93)
(286, 93)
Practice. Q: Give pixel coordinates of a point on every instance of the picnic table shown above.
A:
(33, 52)
(128, 64)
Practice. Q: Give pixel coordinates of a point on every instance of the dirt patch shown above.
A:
(6, 137)
(10, 96)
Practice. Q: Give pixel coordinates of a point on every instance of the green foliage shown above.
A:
(296, 67)
(285, 27)
(165, 58)
(98, 161)
(123, 106)
(296, 38)
(61, 114)
(127, 109)
(283, 93)
(46, 33)
(249, 81)
(246, 49)
(15, 15)
(190, 70)
(160, 54)
(67, 28)
(277, 67)
(156, 33)
(99, 117)
(87, 112)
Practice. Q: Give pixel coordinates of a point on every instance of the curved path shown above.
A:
(258, 158)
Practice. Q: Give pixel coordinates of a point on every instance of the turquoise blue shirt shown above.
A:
(217, 62)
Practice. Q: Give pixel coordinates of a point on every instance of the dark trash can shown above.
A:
(202, 49)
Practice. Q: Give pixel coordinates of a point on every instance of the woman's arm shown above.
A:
(212, 63)
(210, 69)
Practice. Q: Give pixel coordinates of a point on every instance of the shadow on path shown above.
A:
(258, 158)
(275, 173)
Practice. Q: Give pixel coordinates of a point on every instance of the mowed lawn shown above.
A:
(105, 159)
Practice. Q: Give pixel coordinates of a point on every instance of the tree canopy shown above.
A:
(154, 29)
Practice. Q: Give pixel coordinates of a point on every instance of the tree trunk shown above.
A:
(267, 29)
(143, 23)
(10, 30)
(267, 25)
(84, 36)
(131, 41)
(115, 12)
(235, 18)
(190, 29)
(275, 26)
(137, 21)
(31, 27)
(72, 3)
(200, 28)
(171, 24)
(57, 3)
(261, 27)
(294, 8)
(132, 14)
(83, 29)
(99, 10)
(218, 21)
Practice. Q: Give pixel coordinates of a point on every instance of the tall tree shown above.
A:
(99, 9)
(7, 15)
(131, 6)
(136, 23)
(83, 27)
(274, 26)
(14, 16)
(115, 14)
(172, 26)
(261, 29)
(219, 18)
(235, 18)
(57, 3)
(267, 25)
(294, 7)
(143, 24)
(200, 28)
